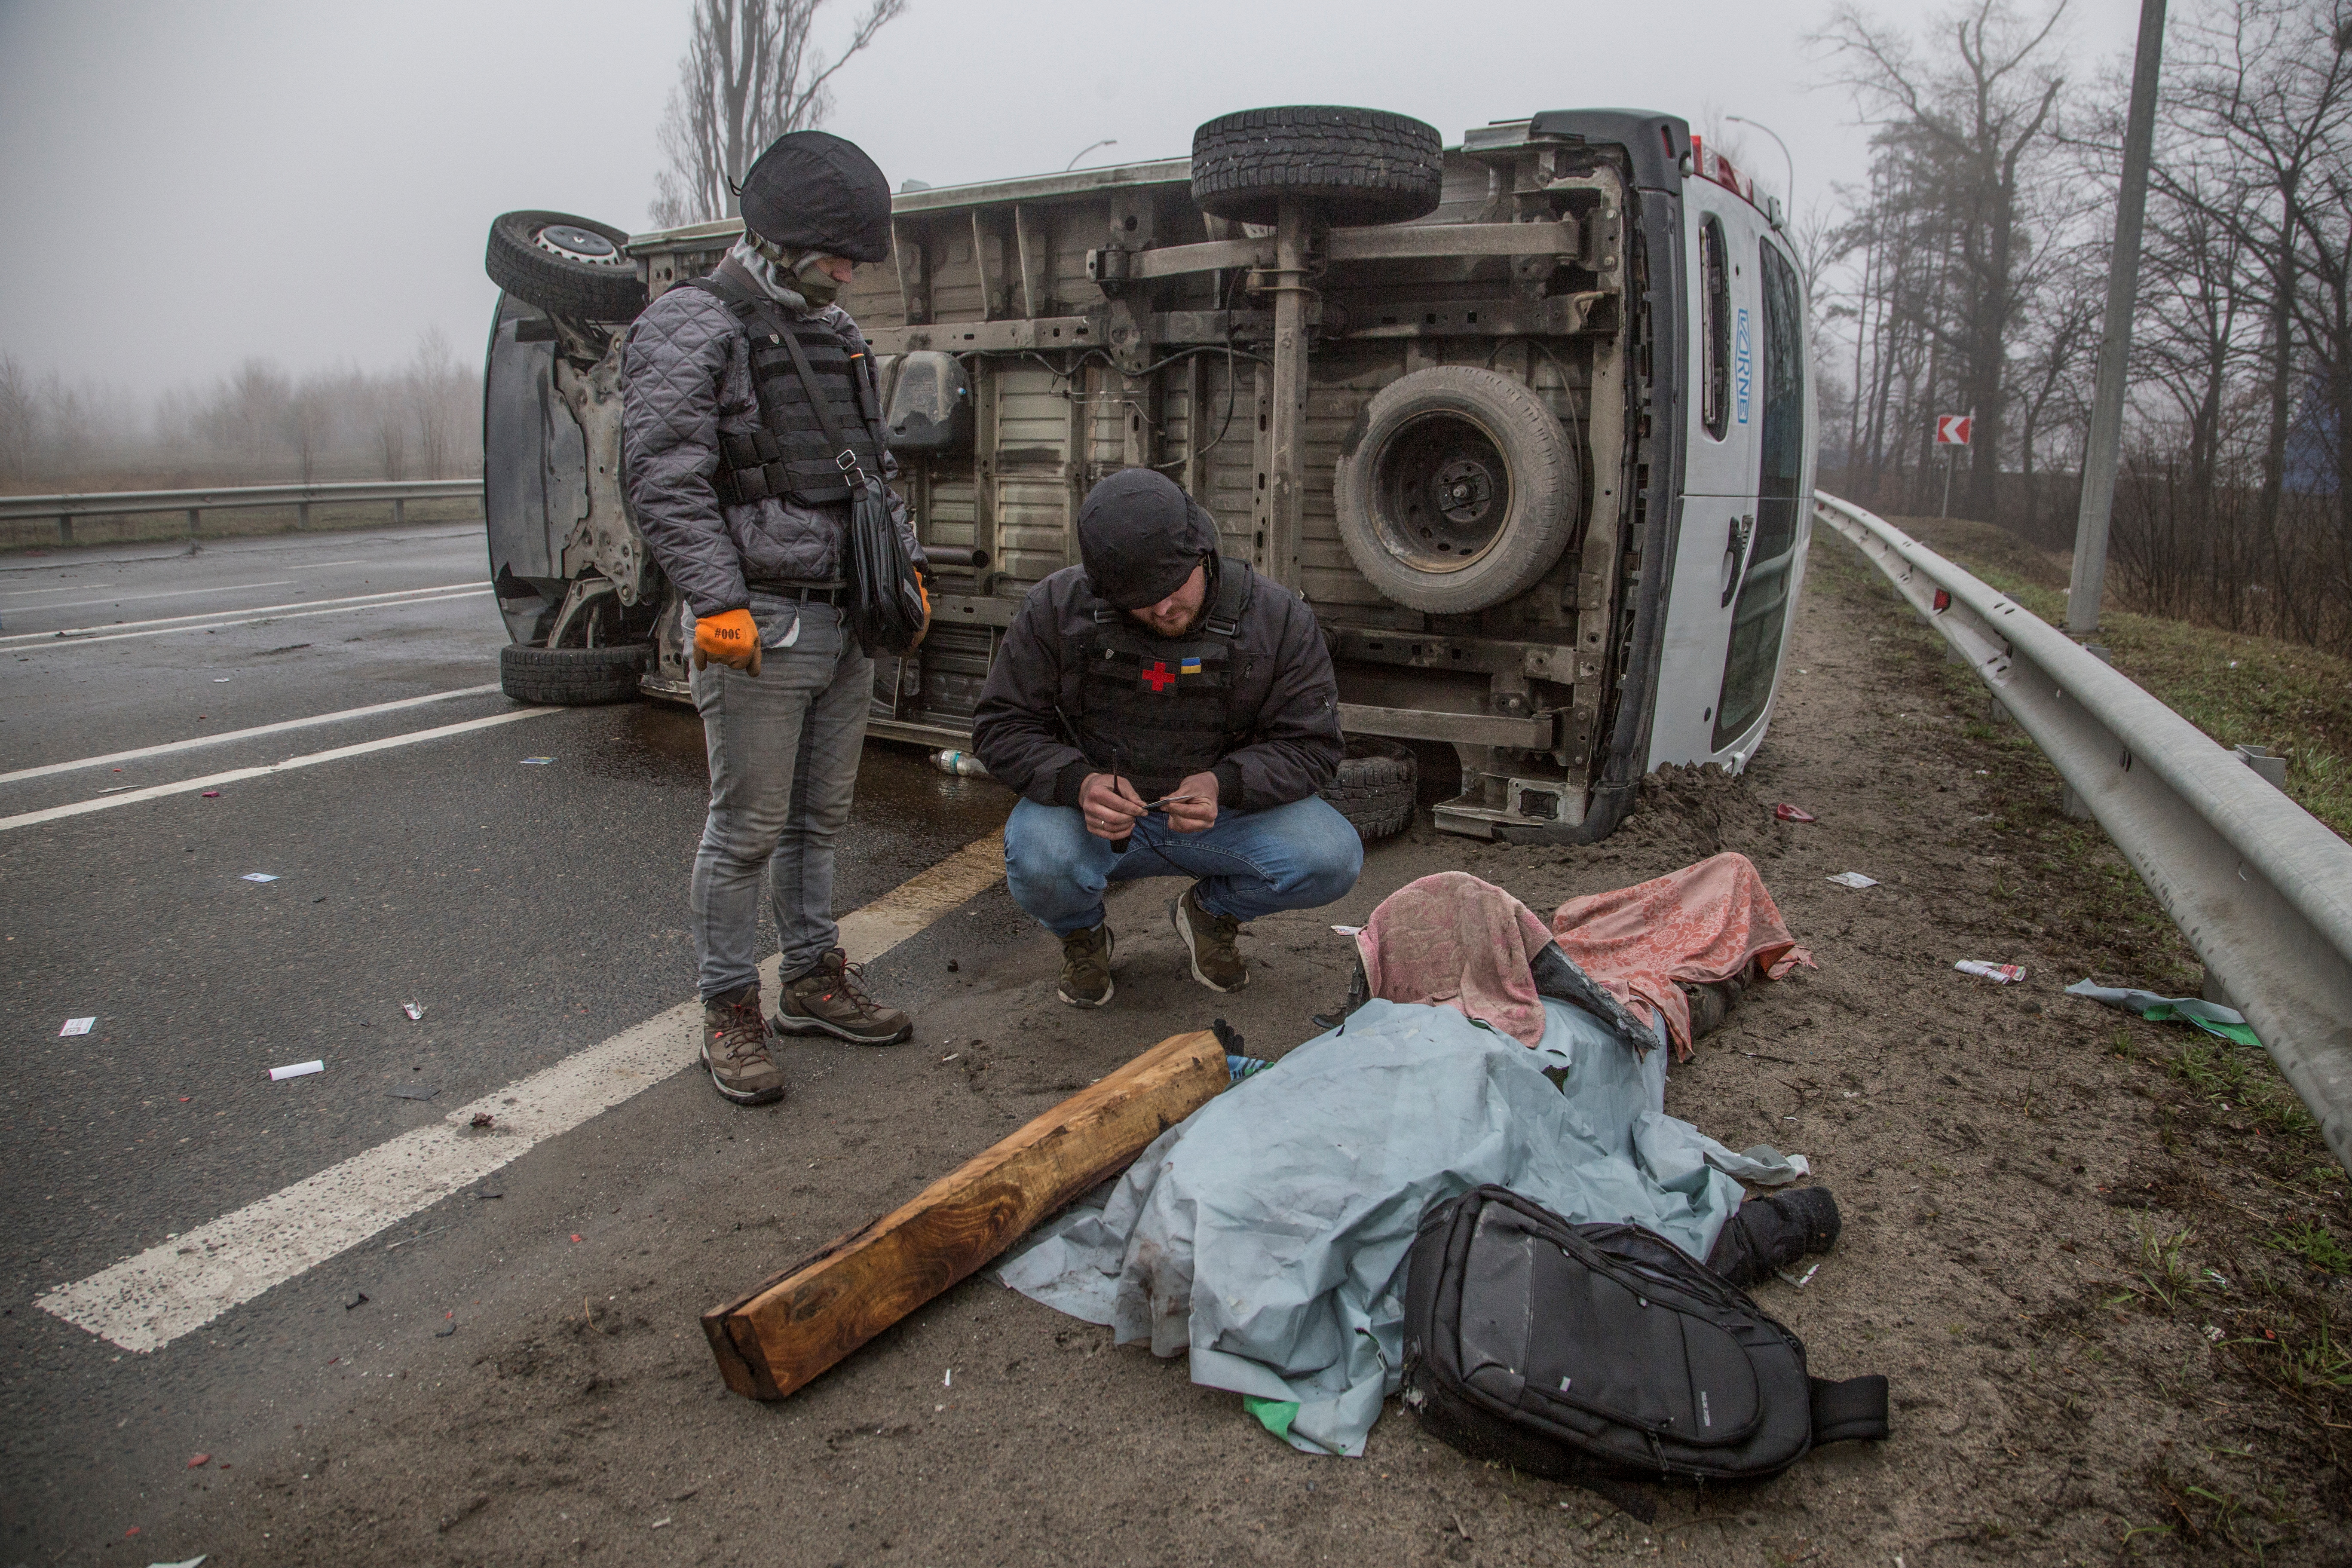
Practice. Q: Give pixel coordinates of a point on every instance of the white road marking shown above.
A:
(172, 593)
(145, 1302)
(284, 724)
(322, 565)
(237, 775)
(37, 642)
(68, 634)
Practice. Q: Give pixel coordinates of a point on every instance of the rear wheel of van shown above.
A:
(565, 265)
(1457, 491)
(571, 677)
(1349, 166)
(1375, 788)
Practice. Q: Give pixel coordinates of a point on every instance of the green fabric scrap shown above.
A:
(2227, 1023)
(1275, 1415)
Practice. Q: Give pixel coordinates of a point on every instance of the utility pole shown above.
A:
(2103, 448)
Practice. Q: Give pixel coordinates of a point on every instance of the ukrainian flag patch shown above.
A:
(1190, 666)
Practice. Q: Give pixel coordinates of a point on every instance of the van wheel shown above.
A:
(565, 265)
(1457, 490)
(1349, 165)
(571, 677)
(1374, 788)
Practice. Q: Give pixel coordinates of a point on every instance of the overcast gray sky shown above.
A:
(183, 186)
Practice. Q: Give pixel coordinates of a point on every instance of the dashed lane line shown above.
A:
(145, 1302)
(168, 747)
(238, 775)
(163, 626)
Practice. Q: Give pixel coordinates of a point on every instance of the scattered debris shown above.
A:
(1852, 879)
(485, 1193)
(412, 1010)
(660, 1523)
(948, 1381)
(2002, 974)
(1788, 813)
(358, 1299)
(417, 1236)
(417, 1091)
(118, 789)
(78, 1027)
(220, 681)
(208, 795)
(257, 877)
(1799, 1282)
(481, 1119)
(575, 1235)
(537, 762)
(299, 1069)
(1346, 931)
(951, 967)
(2211, 1016)
(196, 1561)
(198, 1461)
(445, 1330)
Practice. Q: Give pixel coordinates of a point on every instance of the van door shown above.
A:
(1767, 597)
(1723, 424)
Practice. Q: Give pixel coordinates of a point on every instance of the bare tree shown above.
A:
(1970, 122)
(750, 73)
(20, 430)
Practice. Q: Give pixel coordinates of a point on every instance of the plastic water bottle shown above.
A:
(963, 765)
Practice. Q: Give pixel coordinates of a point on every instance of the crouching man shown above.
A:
(1164, 711)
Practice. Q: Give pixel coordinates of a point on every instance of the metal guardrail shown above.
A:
(64, 508)
(2261, 889)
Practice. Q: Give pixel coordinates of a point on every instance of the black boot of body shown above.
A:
(1772, 1233)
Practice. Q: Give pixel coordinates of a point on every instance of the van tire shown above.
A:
(1351, 167)
(571, 677)
(1375, 788)
(555, 280)
(1472, 426)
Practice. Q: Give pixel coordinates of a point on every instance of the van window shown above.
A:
(1715, 326)
(1762, 613)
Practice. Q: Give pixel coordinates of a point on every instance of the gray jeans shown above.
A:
(783, 764)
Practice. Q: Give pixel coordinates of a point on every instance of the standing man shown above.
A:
(744, 504)
(1164, 710)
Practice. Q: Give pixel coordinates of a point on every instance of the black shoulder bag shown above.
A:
(888, 609)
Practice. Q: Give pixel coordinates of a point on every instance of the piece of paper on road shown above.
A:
(257, 877)
(299, 1069)
(1852, 879)
(77, 1026)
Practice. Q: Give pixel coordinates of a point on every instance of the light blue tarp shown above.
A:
(1266, 1234)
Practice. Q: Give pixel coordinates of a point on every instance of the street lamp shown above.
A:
(1106, 141)
(1792, 162)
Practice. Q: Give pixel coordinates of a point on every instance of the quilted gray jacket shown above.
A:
(686, 377)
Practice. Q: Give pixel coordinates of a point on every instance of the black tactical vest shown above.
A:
(788, 456)
(1156, 710)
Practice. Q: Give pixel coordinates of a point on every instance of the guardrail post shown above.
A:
(301, 515)
(399, 511)
(65, 528)
(194, 522)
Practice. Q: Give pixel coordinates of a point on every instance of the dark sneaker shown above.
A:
(735, 1049)
(829, 1000)
(1211, 943)
(1085, 968)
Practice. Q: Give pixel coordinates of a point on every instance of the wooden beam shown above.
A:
(781, 1335)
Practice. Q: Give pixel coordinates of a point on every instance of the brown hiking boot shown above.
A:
(829, 1000)
(735, 1049)
(1085, 968)
(1210, 941)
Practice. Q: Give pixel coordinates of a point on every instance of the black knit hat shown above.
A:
(812, 190)
(1141, 536)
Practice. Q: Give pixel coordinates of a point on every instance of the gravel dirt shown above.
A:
(2099, 1260)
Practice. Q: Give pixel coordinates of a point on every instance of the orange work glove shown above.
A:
(730, 638)
(922, 586)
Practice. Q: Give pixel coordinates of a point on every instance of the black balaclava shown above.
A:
(1140, 535)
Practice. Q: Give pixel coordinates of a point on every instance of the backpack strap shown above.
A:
(1223, 620)
(1845, 1412)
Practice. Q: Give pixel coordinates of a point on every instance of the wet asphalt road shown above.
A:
(532, 910)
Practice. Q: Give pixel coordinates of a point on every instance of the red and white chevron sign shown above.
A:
(1952, 429)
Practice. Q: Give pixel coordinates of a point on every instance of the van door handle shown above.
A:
(1735, 554)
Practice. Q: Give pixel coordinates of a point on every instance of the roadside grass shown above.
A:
(2239, 689)
(2236, 1210)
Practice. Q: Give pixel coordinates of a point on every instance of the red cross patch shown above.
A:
(1156, 676)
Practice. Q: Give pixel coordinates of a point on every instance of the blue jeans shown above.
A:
(1248, 864)
(783, 748)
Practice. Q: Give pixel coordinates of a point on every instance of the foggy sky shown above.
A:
(183, 185)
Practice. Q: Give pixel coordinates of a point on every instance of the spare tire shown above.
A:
(571, 677)
(1349, 165)
(1458, 489)
(564, 265)
(1374, 788)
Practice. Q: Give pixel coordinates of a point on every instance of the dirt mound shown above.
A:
(1702, 811)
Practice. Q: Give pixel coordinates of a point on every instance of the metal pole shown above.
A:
(2104, 447)
(1286, 433)
(1945, 509)
(1792, 162)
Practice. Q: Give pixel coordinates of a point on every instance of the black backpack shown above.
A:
(1583, 1352)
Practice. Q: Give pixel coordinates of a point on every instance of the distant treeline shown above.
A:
(257, 425)
(1970, 274)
